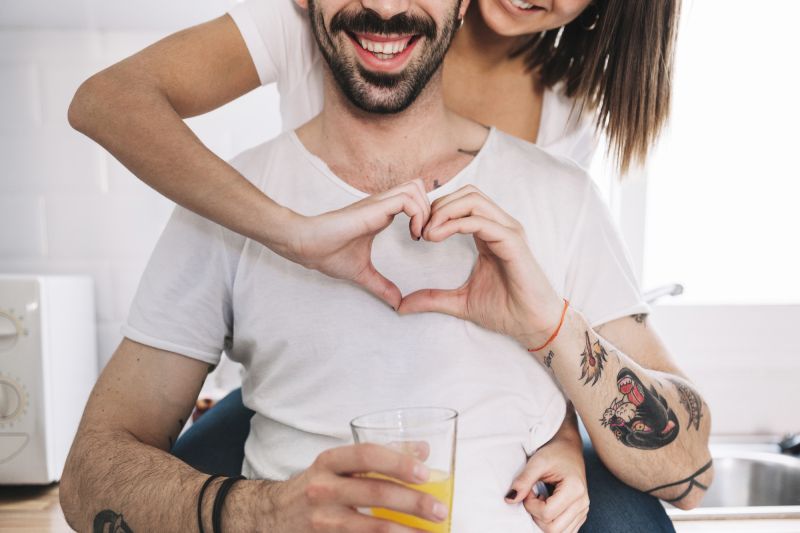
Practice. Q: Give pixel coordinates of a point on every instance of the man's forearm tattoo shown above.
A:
(691, 401)
(640, 418)
(108, 521)
(691, 480)
(593, 358)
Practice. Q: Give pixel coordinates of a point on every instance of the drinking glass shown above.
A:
(428, 433)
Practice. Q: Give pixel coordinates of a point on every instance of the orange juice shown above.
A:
(439, 485)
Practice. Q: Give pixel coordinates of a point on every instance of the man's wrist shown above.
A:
(537, 339)
(249, 507)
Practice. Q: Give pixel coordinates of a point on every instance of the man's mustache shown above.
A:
(368, 21)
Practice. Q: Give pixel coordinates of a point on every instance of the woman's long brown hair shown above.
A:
(621, 69)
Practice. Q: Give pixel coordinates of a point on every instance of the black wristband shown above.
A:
(206, 483)
(219, 500)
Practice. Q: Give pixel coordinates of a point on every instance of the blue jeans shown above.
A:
(215, 445)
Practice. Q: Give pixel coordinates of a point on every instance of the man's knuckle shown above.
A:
(318, 521)
(378, 492)
(366, 454)
(424, 505)
(383, 527)
(318, 492)
(324, 459)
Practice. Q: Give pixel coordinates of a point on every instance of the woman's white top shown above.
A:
(279, 38)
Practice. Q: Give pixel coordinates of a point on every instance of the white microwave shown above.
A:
(48, 366)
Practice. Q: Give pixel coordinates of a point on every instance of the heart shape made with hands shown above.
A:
(506, 290)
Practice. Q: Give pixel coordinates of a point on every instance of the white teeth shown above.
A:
(522, 4)
(383, 50)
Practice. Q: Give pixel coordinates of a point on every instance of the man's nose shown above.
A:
(387, 8)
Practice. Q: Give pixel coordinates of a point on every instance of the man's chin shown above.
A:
(380, 101)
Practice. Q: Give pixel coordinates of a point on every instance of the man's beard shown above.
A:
(377, 92)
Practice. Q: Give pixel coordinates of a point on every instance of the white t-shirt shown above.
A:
(317, 351)
(283, 49)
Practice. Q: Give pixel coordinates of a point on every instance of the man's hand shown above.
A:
(559, 463)
(339, 243)
(507, 291)
(325, 497)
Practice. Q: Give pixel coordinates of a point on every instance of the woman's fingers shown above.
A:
(413, 191)
(374, 282)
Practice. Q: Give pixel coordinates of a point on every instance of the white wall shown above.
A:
(66, 206)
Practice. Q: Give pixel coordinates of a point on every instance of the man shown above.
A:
(518, 225)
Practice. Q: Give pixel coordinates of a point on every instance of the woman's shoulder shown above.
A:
(278, 36)
(565, 129)
(537, 171)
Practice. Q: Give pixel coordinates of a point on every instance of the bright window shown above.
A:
(723, 188)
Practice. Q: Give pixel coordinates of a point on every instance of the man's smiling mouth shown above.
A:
(384, 47)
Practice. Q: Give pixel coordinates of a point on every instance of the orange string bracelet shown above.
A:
(558, 328)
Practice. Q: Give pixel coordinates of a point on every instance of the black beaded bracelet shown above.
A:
(222, 493)
(206, 483)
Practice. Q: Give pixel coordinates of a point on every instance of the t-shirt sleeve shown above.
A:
(183, 303)
(275, 33)
(600, 282)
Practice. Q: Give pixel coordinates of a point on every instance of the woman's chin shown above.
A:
(500, 22)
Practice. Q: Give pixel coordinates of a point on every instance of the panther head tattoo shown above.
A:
(640, 418)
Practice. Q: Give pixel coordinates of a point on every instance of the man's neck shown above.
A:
(374, 152)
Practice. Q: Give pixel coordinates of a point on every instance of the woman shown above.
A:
(546, 71)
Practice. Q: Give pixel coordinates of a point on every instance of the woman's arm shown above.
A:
(135, 110)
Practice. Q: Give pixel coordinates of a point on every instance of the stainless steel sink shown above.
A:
(750, 480)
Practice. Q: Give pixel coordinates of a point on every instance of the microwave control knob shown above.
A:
(11, 401)
(9, 332)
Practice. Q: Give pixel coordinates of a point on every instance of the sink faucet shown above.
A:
(790, 444)
(652, 295)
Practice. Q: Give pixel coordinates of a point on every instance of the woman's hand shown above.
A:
(339, 243)
(559, 463)
(506, 292)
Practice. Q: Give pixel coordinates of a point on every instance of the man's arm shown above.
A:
(120, 474)
(119, 470)
(645, 419)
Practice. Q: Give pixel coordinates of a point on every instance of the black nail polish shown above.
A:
(511, 494)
